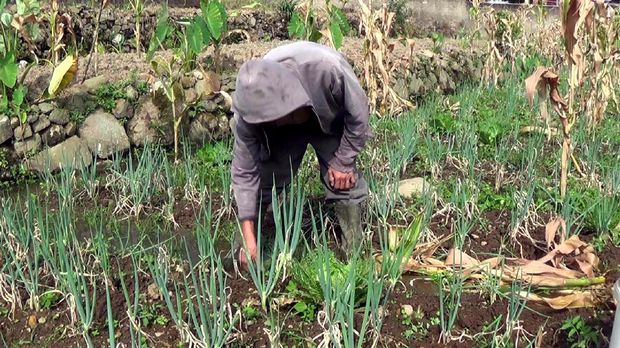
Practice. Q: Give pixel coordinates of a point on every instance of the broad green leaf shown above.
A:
(336, 34)
(23, 117)
(204, 29)
(296, 26)
(193, 35)
(8, 70)
(162, 30)
(216, 18)
(339, 17)
(27, 7)
(6, 19)
(18, 96)
(63, 75)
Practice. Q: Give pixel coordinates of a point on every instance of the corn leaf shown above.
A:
(336, 35)
(162, 30)
(63, 75)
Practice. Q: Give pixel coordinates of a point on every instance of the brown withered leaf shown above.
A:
(546, 80)
(551, 231)
(458, 258)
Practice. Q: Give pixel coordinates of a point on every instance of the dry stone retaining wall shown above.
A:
(54, 137)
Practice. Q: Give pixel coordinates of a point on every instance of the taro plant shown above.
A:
(304, 23)
(22, 25)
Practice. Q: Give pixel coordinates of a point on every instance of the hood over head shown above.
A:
(266, 91)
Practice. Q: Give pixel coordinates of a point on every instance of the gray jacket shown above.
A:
(287, 78)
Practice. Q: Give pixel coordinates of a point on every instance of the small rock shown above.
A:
(131, 93)
(35, 109)
(53, 135)
(41, 124)
(187, 82)
(407, 310)
(198, 75)
(30, 145)
(153, 292)
(6, 129)
(59, 116)
(71, 153)
(191, 96)
(148, 125)
(32, 118)
(46, 108)
(32, 321)
(252, 22)
(484, 243)
(94, 83)
(123, 109)
(42, 320)
(413, 187)
(15, 122)
(22, 132)
(104, 135)
(71, 129)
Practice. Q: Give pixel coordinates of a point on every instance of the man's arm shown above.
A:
(355, 133)
(245, 170)
(245, 174)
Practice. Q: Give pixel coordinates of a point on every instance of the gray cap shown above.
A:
(266, 91)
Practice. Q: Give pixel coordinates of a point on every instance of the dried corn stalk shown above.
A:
(564, 278)
(379, 65)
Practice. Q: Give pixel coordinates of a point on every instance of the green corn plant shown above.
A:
(138, 10)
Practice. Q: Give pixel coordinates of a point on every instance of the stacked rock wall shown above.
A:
(78, 126)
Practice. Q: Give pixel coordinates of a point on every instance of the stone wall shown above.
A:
(117, 27)
(77, 126)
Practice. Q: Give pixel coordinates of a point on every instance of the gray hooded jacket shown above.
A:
(289, 77)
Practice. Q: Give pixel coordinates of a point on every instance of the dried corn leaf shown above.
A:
(546, 80)
(458, 258)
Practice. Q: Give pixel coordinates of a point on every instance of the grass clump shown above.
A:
(305, 282)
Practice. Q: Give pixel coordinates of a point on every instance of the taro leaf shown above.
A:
(216, 18)
(63, 75)
(193, 35)
(489, 131)
(204, 29)
(296, 26)
(6, 19)
(162, 30)
(8, 70)
(335, 34)
(27, 6)
(18, 96)
(339, 17)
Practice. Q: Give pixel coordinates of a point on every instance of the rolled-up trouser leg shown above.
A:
(347, 203)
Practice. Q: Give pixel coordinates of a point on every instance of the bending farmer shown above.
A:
(298, 94)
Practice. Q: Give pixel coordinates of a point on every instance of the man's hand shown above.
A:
(249, 247)
(341, 180)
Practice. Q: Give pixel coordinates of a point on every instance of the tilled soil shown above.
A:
(476, 312)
